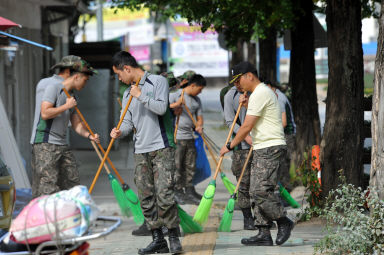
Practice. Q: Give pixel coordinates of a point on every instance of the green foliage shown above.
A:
(238, 20)
(368, 8)
(355, 221)
(308, 177)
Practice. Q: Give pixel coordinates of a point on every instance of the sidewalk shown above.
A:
(121, 241)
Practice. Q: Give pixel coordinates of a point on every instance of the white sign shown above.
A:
(202, 56)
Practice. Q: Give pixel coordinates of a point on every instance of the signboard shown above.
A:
(193, 50)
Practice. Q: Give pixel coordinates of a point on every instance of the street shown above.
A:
(121, 241)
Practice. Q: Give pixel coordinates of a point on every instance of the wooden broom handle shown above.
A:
(100, 156)
(226, 141)
(242, 171)
(99, 145)
(178, 118)
(111, 142)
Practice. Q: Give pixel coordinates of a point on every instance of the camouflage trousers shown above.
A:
(185, 159)
(154, 178)
(265, 169)
(53, 168)
(238, 160)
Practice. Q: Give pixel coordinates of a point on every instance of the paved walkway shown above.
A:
(121, 241)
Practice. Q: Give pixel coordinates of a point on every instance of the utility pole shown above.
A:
(99, 17)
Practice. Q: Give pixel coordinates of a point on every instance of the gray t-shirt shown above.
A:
(149, 115)
(185, 128)
(285, 106)
(40, 88)
(231, 103)
(54, 130)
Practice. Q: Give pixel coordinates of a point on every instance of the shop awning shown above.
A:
(6, 23)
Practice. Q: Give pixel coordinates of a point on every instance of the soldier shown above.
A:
(240, 152)
(185, 146)
(269, 148)
(150, 116)
(54, 166)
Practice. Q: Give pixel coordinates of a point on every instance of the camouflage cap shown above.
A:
(66, 61)
(187, 75)
(83, 66)
(172, 81)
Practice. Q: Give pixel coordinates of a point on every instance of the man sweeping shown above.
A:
(239, 156)
(150, 118)
(54, 166)
(185, 156)
(263, 120)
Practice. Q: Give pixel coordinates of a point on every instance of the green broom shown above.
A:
(287, 197)
(116, 188)
(226, 221)
(119, 193)
(187, 223)
(202, 212)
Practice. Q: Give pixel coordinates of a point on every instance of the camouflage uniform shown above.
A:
(238, 160)
(265, 169)
(154, 178)
(54, 169)
(185, 156)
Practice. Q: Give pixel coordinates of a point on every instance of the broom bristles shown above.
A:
(134, 203)
(226, 221)
(187, 223)
(227, 183)
(120, 196)
(202, 212)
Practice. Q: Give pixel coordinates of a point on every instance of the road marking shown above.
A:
(203, 243)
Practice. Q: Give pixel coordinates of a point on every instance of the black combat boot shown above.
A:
(195, 194)
(248, 219)
(174, 242)
(142, 231)
(190, 198)
(284, 228)
(158, 245)
(180, 197)
(263, 238)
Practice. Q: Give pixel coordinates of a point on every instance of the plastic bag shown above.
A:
(203, 169)
(65, 214)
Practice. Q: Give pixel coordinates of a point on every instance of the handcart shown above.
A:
(101, 227)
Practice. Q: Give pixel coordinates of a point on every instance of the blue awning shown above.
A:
(26, 41)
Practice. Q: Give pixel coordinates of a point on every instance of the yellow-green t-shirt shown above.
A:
(268, 130)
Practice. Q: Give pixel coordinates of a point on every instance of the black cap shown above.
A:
(240, 69)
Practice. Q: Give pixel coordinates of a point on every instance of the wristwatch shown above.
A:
(228, 145)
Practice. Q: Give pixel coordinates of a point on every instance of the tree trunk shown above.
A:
(238, 54)
(342, 143)
(267, 48)
(302, 80)
(252, 53)
(377, 170)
